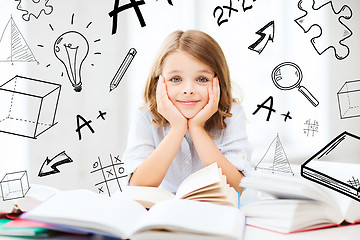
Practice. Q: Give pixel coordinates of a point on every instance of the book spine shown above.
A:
(330, 182)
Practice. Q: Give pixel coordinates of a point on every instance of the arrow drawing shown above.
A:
(266, 34)
(50, 165)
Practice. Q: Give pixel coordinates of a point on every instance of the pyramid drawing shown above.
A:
(13, 47)
(278, 160)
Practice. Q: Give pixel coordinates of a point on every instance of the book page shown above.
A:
(204, 177)
(194, 217)
(36, 194)
(87, 210)
(350, 208)
(147, 196)
(285, 186)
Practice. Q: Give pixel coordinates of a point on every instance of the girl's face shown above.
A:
(187, 81)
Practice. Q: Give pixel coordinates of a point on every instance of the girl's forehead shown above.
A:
(180, 61)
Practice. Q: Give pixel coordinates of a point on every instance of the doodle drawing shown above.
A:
(49, 166)
(14, 185)
(72, 48)
(311, 128)
(325, 17)
(349, 99)
(279, 162)
(13, 47)
(336, 165)
(123, 68)
(117, 9)
(34, 8)
(28, 106)
(110, 175)
(266, 34)
(287, 76)
(356, 184)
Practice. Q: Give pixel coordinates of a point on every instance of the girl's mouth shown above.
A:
(188, 102)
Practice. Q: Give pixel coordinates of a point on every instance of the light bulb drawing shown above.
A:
(72, 48)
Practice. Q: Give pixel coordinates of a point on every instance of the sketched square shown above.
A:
(349, 99)
(28, 106)
(14, 185)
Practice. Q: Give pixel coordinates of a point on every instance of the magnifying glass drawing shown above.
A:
(287, 76)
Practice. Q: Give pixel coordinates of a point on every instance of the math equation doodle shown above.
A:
(219, 11)
(311, 128)
(109, 175)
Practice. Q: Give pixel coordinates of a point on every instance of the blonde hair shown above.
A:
(205, 49)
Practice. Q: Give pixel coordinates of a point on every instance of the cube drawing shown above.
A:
(349, 99)
(14, 185)
(28, 106)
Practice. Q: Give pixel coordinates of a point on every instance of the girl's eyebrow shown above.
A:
(206, 71)
(203, 71)
(174, 72)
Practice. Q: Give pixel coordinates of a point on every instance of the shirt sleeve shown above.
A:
(140, 142)
(234, 143)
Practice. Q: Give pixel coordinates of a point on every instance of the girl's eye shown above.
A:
(202, 79)
(175, 79)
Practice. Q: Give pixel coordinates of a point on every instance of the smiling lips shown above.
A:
(188, 102)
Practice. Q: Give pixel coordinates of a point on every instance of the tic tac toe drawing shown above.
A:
(73, 76)
(109, 175)
(311, 127)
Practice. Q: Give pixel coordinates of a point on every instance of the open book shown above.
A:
(207, 185)
(36, 194)
(296, 204)
(120, 216)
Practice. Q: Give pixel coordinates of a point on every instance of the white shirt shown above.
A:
(144, 137)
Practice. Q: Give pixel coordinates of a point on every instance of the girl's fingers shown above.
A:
(216, 88)
(214, 92)
(158, 87)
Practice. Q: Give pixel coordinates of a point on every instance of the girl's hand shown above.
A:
(167, 109)
(210, 108)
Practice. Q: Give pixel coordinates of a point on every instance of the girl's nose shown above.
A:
(188, 92)
(188, 87)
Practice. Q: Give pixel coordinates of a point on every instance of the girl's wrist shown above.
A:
(179, 129)
(195, 128)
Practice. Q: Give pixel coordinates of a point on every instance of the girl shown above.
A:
(191, 119)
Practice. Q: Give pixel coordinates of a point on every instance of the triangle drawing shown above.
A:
(13, 47)
(278, 160)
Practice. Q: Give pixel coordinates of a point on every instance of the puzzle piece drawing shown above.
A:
(333, 31)
(34, 8)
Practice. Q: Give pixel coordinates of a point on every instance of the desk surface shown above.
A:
(252, 233)
(351, 232)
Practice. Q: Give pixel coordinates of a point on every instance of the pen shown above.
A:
(122, 69)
